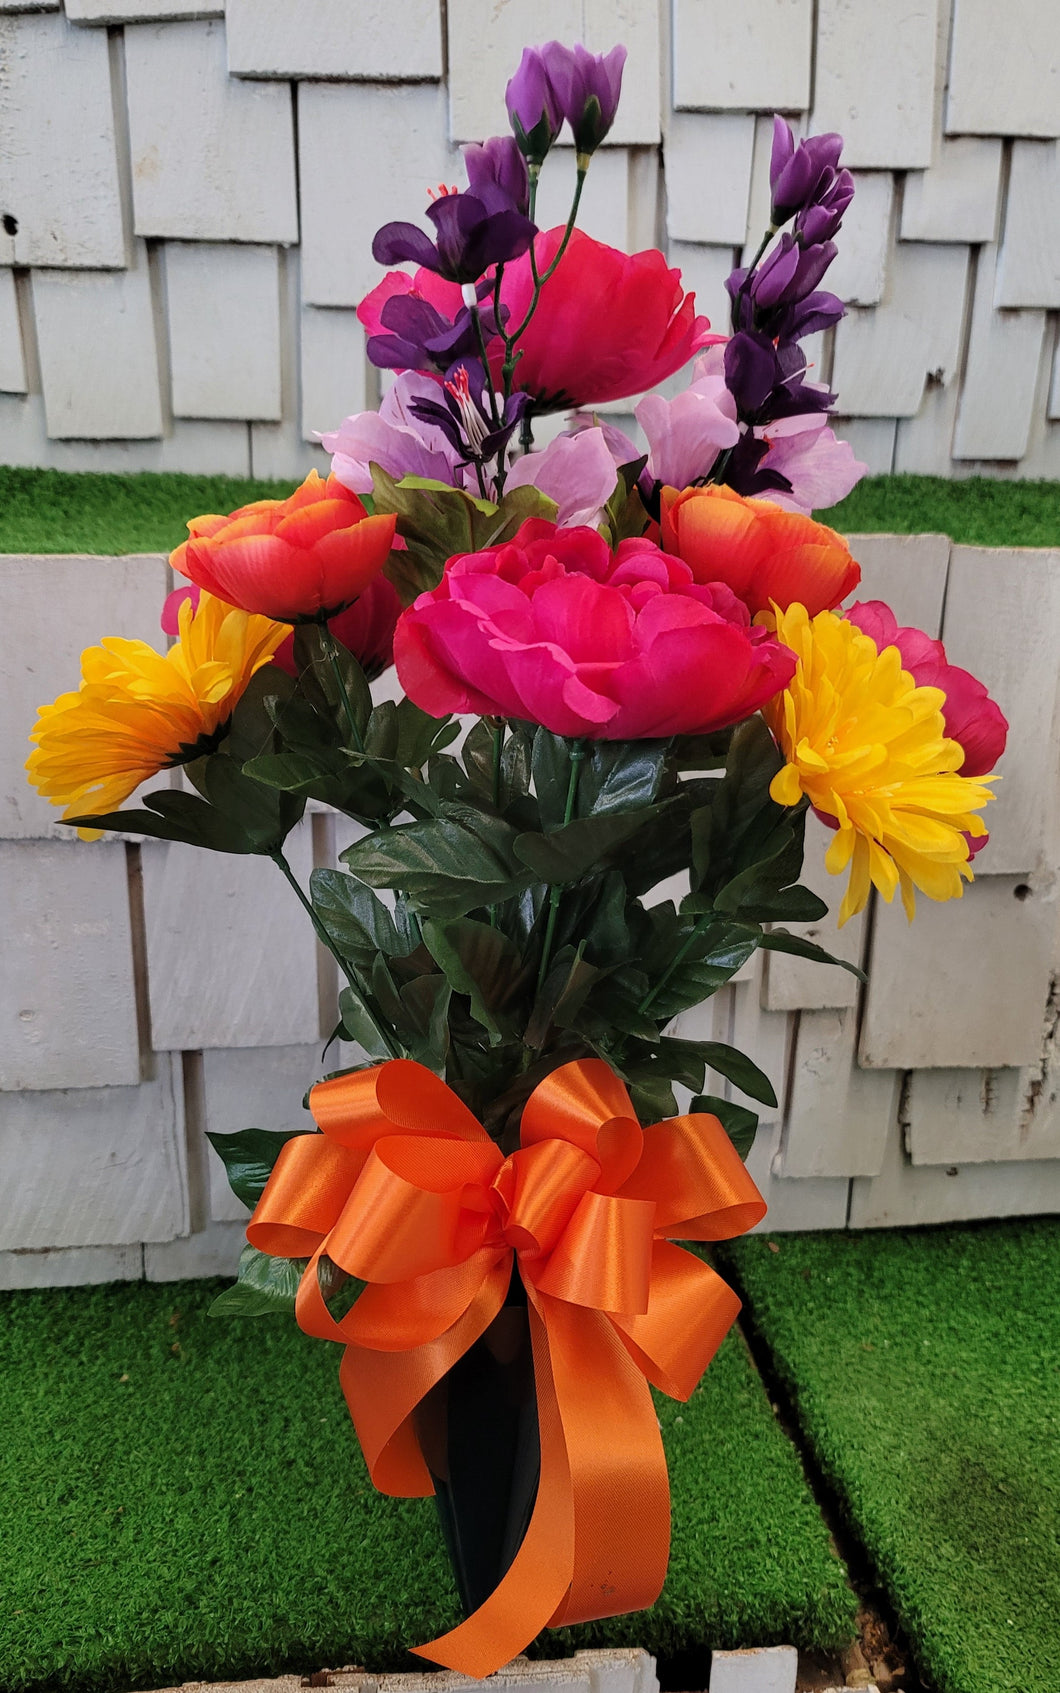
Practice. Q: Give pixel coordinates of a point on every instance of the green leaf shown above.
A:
(729, 1062)
(265, 815)
(357, 922)
(425, 1002)
(620, 776)
(563, 993)
(266, 1286)
(176, 816)
(248, 1157)
(361, 1024)
(447, 866)
(739, 1123)
(570, 852)
(482, 963)
(337, 678)
(779, 940)
(437, 522)
(550, 763)
(252, 729)
(712, 960)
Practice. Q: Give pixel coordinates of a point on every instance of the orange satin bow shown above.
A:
(405, 1190)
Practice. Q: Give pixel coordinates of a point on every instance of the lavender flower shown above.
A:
(587, 87)
(498, 165)
(795, 173)
(464, 415)
(422, 338)
(532, 105)
(475, 231)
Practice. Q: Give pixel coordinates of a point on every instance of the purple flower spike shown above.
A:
(474, 232)
(821, 221)
(795, 173)
(499, 166)
(532, 105)
(587, 87)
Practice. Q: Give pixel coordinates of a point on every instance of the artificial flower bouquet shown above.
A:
(625, 672)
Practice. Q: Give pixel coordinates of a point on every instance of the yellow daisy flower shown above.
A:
(868, 748)
(138, 711)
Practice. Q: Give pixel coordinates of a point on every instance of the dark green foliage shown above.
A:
(925, 1371)
(186, 1500)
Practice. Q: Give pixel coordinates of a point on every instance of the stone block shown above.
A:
(67, 994)
(50, 610)
(193, 448)
(223, 309)
(759, 1669)
(872, 440)
(212, 157)
(753, 57)
(402, 131)
(957, 197)
(839, 1116)
(210, 1251)
(885, 354)
(255, 1088)
(231, 956)
(98, 354)
(12, 358)
(604, 212)
(1002, 610)
(334, 369)
(859, 270)
(94, 1166)
(140, 11)
(374, 41)
(794, 984)
(708, 176)
(928, 1004)
(58, 144)
(70, 1266)
(1028, 266)
(875, 83)
(904, 1197)
(704, 271)
(1004, 81)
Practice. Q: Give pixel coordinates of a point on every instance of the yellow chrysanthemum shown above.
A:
(868, 748)
(138, 711)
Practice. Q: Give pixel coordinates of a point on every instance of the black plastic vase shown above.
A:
(478, 1432)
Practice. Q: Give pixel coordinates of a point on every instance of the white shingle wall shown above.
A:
(194, 199)
(223, 136)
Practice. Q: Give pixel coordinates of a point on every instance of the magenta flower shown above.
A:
(556, 629)
(971, 717)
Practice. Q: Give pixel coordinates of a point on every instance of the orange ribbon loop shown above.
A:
(405, 1190)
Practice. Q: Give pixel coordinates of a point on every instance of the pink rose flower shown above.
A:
(557, 629)
(972, 718)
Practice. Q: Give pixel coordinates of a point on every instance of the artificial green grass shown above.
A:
(924, 1366)
(184, 1498)
(60, 511)
(57, 511)
(979, 512)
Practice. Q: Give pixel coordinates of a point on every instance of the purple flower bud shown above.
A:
(532, 105)
(821, 221)
(498, 165)
(587, 87)
(794, 180)
(475, 231)
(771, 282)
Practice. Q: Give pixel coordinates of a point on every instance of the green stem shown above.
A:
(555, 893)
(510, 357)
(476, 318)
(498, 748)
(330, 648)
(678, 958)
(326, 942)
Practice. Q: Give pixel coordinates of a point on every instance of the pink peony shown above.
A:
(556, 629)
(972, 718)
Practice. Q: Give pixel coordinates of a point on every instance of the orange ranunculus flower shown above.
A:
(763, 553)
(293, 559)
